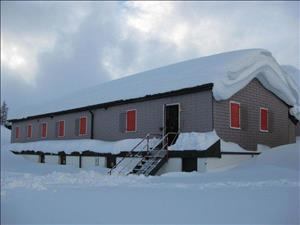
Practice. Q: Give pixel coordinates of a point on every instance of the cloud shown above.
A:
(50, 49)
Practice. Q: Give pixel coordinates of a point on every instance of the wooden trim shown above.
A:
(199, 88)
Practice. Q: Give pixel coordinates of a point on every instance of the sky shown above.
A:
(51, 49)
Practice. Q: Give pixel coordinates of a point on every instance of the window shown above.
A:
(17, 130)
(61, 128)
(264, 120)
(131, 121)
(44, 130)
(29, 131)
(83, 126)
(235, 116)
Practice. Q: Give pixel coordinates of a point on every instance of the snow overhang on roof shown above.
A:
(229, 72)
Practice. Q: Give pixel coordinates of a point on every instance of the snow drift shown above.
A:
(195, 141)
(229, 72)
(69, 146)
(264, 190)
(185, 141)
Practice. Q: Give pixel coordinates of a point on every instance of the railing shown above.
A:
(130, 153)
(154, 149)
(157, 152)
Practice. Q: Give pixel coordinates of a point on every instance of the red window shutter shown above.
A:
(264, 119)
(29, 131)
(131, 120)
(17, 132)
(44, 130)
(235, 115)
(61, 128)
(82, 126)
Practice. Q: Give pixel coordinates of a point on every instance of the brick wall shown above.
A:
(251, 98)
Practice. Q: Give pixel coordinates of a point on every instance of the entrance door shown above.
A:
(171, 122)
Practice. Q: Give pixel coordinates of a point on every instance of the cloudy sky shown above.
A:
(50, 49)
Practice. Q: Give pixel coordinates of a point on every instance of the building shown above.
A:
(244, 96)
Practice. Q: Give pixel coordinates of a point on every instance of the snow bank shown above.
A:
(287, 156)
(69, 146)
(267, 185)
(263, 191)
(229, 72)
(11, 163)
(202, 141)
(194, 141)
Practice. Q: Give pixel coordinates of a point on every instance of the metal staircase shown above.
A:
(147, 161)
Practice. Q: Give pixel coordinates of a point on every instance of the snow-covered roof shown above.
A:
(229, 72)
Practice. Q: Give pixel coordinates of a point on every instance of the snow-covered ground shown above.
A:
(264, 190)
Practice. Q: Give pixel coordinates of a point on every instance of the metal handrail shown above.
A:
(163, 139)
(164, 145)
(133, 157)
(128, 153)
(139, 153)
(132, 150)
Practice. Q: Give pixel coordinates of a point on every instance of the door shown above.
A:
(171, 122)
(189, 164)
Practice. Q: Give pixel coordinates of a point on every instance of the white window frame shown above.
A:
(46, 130)
(86, 126)
(59, 129)
(30, 124)
(126, 131)
(235, 102)
(19, 132)
(265, 131)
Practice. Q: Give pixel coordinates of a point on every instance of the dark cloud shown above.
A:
(67, 46)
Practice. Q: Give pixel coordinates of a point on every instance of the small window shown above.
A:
(83, 126)
(17, 130)
(131, 121)
(44, 130)
(264, 126)
(61, 128)
(29, 131)
(235, 115)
